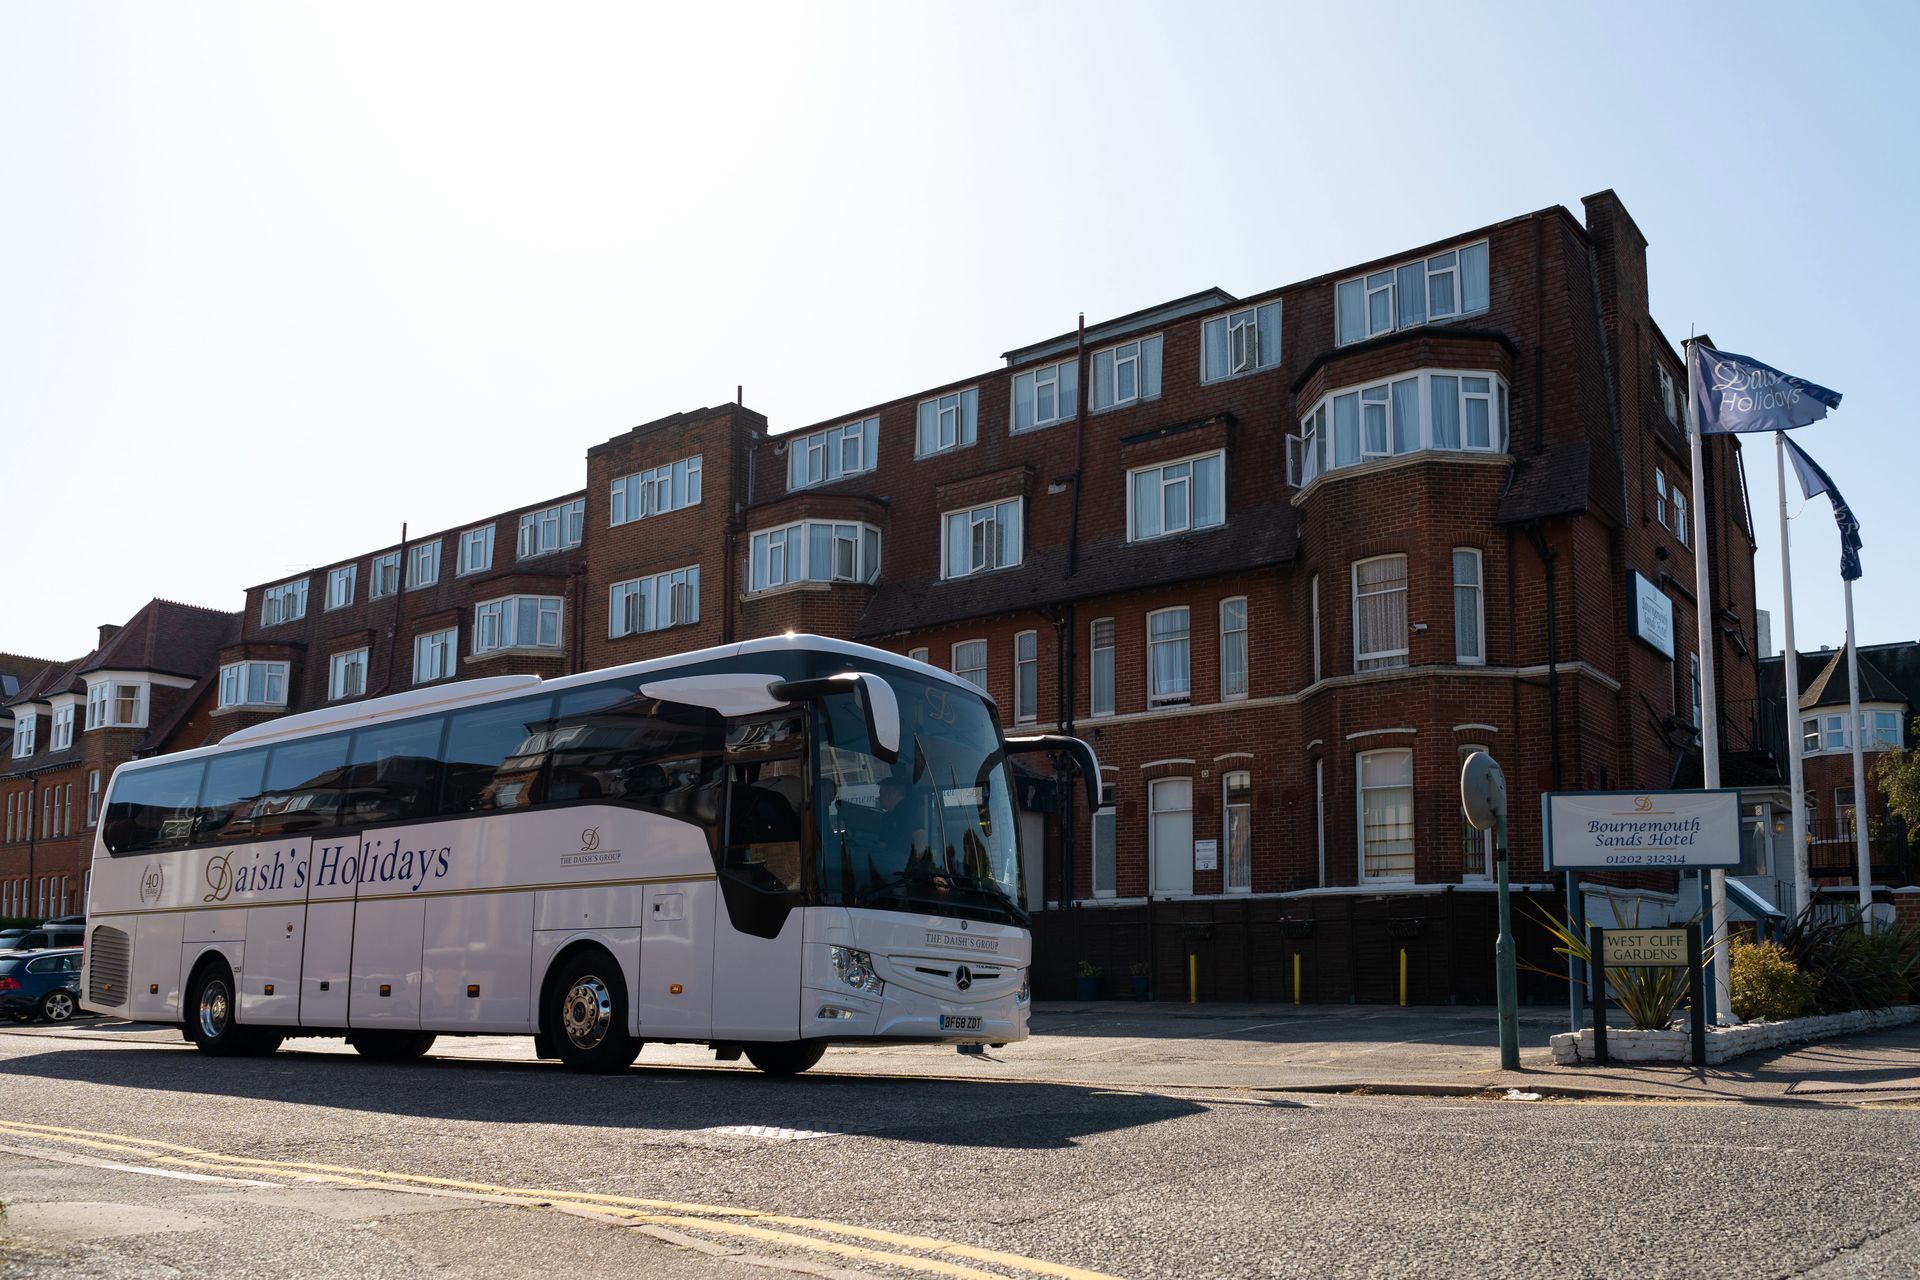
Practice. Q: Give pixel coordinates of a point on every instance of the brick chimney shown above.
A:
(108, 630)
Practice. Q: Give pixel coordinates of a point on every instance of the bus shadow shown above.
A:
(1008, 1115)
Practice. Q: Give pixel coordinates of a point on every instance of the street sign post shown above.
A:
(1483, 798)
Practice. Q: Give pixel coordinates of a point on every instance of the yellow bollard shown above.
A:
(1296, 977)
(1193, 979)
(1403, 977)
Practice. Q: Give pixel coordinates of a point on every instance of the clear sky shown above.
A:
(275, 278)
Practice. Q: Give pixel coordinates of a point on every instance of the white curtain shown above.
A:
(1446, 412)
(1167, 638)
(1380, 609)
(1171, 834)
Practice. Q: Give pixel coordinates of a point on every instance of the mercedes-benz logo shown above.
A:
(963, 977)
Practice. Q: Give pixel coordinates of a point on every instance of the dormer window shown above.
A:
(253, 684)
(951, 421)
(284, 603)
(25, 729)
(1240, 342)
(384, 575)
(1443, 287)
(62, 736)
(116, 704)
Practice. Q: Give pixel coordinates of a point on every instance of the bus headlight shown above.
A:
(855, 968)
(1026, 990)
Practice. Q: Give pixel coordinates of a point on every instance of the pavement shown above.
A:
(1427, 1051)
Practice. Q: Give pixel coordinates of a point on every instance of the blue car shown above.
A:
(40, 984)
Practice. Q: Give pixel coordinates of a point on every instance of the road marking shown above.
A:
(666, 1213)
(89, 1162)
(769, 1132)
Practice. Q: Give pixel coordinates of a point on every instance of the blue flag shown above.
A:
(1737, 393)
(1814, 480)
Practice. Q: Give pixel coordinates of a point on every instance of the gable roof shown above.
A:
(1830, 687)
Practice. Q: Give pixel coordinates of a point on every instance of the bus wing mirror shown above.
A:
(878, 707)
(1078, 749)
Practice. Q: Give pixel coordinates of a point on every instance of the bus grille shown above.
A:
(107, 967)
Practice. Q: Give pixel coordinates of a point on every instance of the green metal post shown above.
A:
(1505, 975)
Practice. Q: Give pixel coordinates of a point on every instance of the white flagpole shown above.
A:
(1709, 701)
(1854, 735)
(1797, 778)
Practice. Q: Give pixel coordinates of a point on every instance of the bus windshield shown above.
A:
(932, 832)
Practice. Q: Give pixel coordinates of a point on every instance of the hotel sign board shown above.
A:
(1651, 614)
(1647, 948)
(1641, 830)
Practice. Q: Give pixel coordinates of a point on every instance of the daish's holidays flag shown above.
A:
(1738, 393)
(1814, 480)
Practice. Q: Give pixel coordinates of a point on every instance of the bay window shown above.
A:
(981, 538)
(517, 622)
(1386, 814)
(1177, 497)
(1456, 410)
(1380, 613)
(813, 551)
(951, 421)
(1125, 374)
(246, 684)
(654, 603)
(1044, 396)
(1442, 287)
(1240, 342)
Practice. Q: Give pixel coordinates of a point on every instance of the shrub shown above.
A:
(1767, 984)
(1853, 967)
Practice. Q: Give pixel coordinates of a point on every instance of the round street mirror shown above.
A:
(1483, 791)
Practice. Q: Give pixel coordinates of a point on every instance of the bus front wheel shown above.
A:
(212, 1017)
(788, 1059)
(586, 1015)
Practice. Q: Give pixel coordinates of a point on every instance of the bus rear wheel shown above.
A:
(586, 1015)
(787, 1059)
(213, 1022)
(391, 1046)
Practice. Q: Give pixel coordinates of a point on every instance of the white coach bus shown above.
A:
(765, 847)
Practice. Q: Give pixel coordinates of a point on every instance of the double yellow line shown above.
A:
(723, 1220)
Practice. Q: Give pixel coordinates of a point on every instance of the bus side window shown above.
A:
(304, 784)
(228, 796)
(763, 825)
(153, 808)
(495, 756)
(393, 772)
(612, 743)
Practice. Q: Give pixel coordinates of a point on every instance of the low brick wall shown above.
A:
(1725, 1043)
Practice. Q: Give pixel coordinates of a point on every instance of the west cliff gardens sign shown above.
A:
(1628, 830)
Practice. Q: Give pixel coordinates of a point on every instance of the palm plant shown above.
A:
(1649, 996)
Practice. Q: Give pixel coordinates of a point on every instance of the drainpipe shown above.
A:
(1080, 381)
(399, 597)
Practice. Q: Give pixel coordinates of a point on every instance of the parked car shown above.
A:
(46, 937)
(10, 937)
(65, 922)
(43, 984)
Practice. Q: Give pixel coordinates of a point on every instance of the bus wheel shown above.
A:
(586, 1015)
(788, 1059)
(212, 1023)
(391, 1046)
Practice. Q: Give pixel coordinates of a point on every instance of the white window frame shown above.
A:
(1026, 677)
(436, 655)
(1659, 497)
(1447, 264)
(283, 602)
(60, 733)
(338, 665)
(1382, 659)
(1880, 741)
(383, 575)
(1469, 832)
(1181, 697)
(1313, 588)
(93, 796)
(423, 565)
(1094, 649)
(1680, 527)
(550, 529)
(1103, 373)
(1479, 605)
(1190, 481)
(657, 491)
(965, 672)
(497, 623)
(918, 654)
(1227, 806)
(341, 582)
(252, 683)
(654, 602)
(1669, 393)
(103, 705)
(768, 550)
(476, 550)
(948, 421)
(1104, 828)
(1315, 451)
(1360, 790)
(1245, 330)
(1062, 378)
(1181, 884)
(1227, 634)
(977, 519)
(26, 727)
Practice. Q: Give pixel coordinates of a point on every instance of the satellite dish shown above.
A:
(1483, 791)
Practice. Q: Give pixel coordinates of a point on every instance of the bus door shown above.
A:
(757, 935)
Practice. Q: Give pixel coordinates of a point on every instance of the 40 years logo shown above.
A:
(152, 883)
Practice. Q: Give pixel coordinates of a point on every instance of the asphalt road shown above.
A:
(123, 1156)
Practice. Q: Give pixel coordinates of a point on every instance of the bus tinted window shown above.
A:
(494, 756)
(228, 795)
(305, 781)
(393, 772)
(153, 808)
(610, 742)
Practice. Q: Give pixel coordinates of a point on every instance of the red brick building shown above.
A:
(1282, 558)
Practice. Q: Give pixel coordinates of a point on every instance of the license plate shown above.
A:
(959, 1022)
